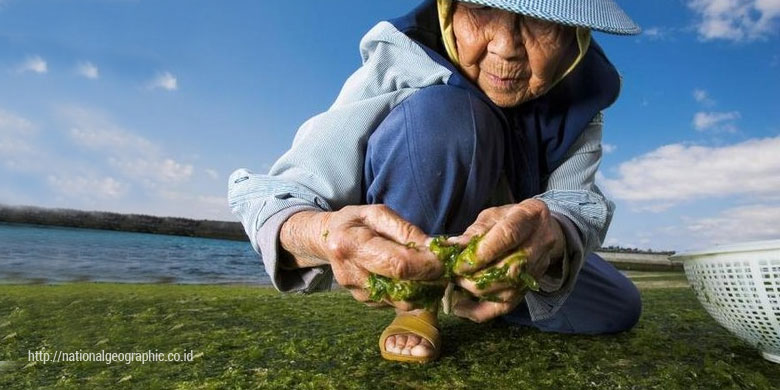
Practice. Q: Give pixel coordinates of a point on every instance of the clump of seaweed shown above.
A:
(452, 256)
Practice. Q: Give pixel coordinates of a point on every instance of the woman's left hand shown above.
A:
(526, 226)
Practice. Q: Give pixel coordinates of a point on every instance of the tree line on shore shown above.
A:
(122, 222)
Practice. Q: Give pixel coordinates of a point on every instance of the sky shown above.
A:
(147, 106)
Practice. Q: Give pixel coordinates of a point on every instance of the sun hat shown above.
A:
(601, 15)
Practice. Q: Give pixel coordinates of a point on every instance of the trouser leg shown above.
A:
(436, 159)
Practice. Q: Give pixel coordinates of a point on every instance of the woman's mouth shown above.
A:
(503, 83)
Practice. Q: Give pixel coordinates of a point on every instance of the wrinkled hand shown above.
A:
(360, 240)
(526, 229)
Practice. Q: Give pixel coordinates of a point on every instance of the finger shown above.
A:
(401, 305)
(384, 257)
(507, 234)
(383, 220)
(349, 275)
(476, 229)
(502, 275)
(361, 295)
(472, 287)
(486, 219)
(483, 311)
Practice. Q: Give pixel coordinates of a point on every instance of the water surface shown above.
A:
(43, 254)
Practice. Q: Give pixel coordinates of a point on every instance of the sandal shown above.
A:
(421, 325)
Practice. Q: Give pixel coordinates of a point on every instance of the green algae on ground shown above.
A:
(257, 338)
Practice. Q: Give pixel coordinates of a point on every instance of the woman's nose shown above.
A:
(507, 36)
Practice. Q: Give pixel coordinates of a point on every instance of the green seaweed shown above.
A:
(427, 294)
(446, 253)
(469, 254)
(495, 274)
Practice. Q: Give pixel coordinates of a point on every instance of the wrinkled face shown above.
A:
(511, 57)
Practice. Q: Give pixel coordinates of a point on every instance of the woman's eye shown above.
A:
(473, 6)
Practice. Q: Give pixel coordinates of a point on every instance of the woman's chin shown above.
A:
(507, 99)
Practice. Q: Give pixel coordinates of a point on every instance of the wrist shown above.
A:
(559, 247)
(303, 236)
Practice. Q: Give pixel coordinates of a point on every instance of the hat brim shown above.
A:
(600, 15)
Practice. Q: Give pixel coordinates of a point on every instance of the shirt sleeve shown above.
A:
(323, 170)
(264, 203)
(583, 213)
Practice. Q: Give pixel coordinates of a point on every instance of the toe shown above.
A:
(400, 342)
(412, 340)
(423, 349)
(390, 344)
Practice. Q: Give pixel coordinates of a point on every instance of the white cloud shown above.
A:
(608, 148)
(677, 173)
(134, 156)
(80, 186)
(165, 81)
(101, 165)
(703, 97)
(745, 223)
(657, 33)
(12, 123)
(212, 173)
(736, 20)
(653, 32)
(722, 121)
(109, 138)
(34, 64)
(88, 70)
(15, 139)
(165, 171)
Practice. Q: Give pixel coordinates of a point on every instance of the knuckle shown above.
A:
(486, 213)
(338, 248)
(509, 236)
(350, 209)
(378, 210)
(400, 268)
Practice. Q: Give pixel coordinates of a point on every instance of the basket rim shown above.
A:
(751, 246)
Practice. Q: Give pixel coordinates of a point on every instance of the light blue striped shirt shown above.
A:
(323, 170)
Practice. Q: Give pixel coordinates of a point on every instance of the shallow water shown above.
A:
(43, 254)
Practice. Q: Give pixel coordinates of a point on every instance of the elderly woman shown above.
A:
(478, 118)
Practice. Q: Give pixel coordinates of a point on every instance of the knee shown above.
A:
(629, 308)
(439, 121)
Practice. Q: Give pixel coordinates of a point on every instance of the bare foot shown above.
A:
(410, 344)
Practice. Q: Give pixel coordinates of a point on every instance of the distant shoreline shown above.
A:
(165, 225)
(123, 222)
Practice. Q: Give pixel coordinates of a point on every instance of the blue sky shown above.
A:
(147, 106)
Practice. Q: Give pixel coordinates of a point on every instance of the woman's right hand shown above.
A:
(359, 240)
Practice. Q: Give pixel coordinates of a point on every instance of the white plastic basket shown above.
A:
(739, 285)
